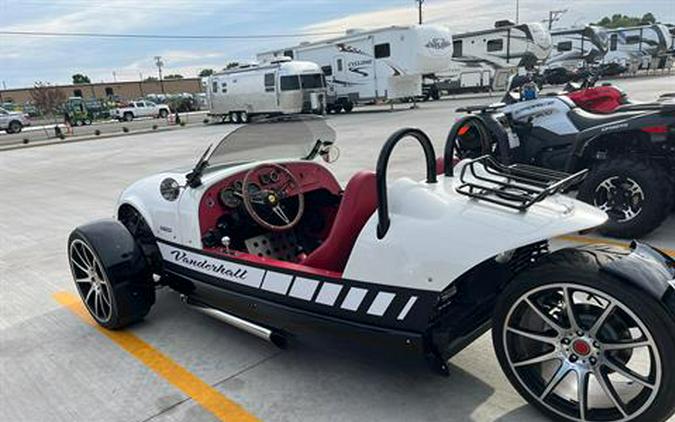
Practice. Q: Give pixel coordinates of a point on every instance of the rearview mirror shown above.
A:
(330, 154)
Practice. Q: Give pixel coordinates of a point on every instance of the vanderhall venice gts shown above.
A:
(276, 247)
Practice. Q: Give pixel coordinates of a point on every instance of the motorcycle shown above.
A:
(630, 153)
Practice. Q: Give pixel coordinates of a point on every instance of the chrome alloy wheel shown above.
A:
(582, 353)
(620, 197)
(91, 280)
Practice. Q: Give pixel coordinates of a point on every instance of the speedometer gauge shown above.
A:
(229, 199)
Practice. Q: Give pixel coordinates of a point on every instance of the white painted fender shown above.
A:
(436, 234)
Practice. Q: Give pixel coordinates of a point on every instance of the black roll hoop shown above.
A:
(381, 171)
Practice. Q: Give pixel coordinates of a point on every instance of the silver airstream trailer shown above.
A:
(282, 86)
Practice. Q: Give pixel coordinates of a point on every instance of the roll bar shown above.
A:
(381, 171)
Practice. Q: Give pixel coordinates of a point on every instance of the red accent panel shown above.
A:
(274, 263)
(312, 176)
(655, 129)
(358, 204)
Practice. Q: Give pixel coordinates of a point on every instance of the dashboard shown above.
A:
(225, 196)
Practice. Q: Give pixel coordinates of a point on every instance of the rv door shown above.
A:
(339, 72)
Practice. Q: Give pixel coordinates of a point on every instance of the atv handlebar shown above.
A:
(381, 171)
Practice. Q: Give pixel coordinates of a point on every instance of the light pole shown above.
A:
(517, 11)
(419, 10)
(159, 63)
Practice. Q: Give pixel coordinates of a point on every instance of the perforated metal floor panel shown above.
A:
(281, 246)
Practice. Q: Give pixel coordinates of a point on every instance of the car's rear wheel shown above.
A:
(110, 273)
(635, 194)
(14, 127)
(128, 117)
(582, 345)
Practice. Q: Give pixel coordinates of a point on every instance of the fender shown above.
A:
(493, 128)
(647, 268)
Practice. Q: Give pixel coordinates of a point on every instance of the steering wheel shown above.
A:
(265, 205)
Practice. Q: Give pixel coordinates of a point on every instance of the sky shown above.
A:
(25, 60)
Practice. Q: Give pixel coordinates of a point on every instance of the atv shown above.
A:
(630, 153)
(276, 247)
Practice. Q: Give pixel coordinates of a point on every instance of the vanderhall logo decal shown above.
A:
(204, 264)
(214, 267)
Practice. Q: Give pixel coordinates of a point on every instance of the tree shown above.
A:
(79, 78)
(618, 20)
(174, 76)
(231, 65)
(47, 98)
(205, 72)
(150, 79)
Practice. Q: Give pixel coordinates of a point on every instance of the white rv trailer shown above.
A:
(639, 47)
(484, 60)
(383, 64)
(575, 48)
(281, 86)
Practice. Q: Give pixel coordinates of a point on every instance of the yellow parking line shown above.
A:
(204, 394)
(589, 240)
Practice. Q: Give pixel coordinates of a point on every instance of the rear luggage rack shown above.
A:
(517, 186)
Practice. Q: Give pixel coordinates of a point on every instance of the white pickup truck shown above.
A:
(137, 109)
(13, 121)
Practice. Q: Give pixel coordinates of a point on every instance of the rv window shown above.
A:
(327, 70)
(613, 41)
(495, 45)
(290, 83)
(565, 46)
(339, 65)
(269, 82)
(311, 81)
(223, 87)
(457, 48)
(288, 53)
(214, 88)
(382, 51)
(633, 39)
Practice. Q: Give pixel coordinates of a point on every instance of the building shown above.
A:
(125, 90)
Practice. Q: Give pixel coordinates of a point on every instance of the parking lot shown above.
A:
(179, 365)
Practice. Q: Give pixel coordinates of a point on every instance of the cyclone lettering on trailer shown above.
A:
(203, 264)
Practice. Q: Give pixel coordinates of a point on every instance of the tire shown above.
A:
(163, 114)
(634, 316)
(234, 117)
(87, 122)
(128, 117)
(110, 273)
(243, 117)
(15, 126)
(647, 201)
(348, 107)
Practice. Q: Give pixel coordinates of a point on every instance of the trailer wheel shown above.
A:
(243, 117)
(348, 107)
(337, 108)
(234, 117)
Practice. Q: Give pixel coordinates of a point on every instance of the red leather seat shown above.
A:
(359, 202)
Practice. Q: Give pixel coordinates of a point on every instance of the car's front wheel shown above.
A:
(110, 273)
(635, 194)
(163, 114)
(582, 345)
(14, 127)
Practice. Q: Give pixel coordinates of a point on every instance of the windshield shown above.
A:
(297, 137)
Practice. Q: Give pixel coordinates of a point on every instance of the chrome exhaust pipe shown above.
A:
(242, 324)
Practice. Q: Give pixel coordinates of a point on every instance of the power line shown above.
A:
(164, 36)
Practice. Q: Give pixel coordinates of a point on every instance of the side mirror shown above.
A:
(330, 154)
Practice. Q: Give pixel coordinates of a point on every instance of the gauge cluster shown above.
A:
(231, 196)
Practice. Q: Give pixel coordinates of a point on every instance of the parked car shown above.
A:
(13, 121)
(276, 247)
(136, 109)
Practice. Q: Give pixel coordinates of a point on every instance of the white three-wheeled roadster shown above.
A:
(276, 247)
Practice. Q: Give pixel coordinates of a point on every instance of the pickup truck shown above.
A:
(137, 109)
(13, 121)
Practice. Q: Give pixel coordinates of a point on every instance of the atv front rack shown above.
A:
(517, 186)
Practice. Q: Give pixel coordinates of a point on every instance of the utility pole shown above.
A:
(517, 11)
(159, 63)
(554, 16)
(419, 10)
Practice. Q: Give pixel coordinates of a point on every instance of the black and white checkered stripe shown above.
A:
(364, 302)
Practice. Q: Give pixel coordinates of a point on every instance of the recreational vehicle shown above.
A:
(484, 60)
(575, 48)
(640, 47)
(377, 65)
(281, 86)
